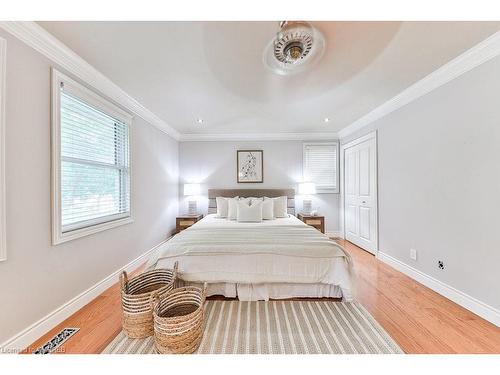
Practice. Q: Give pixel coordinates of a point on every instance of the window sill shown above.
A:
(59, 237)
(327, 191)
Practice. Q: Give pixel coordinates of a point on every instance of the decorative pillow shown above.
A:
(252, 213)
(254, 199)
(248, 201)
(280, 206)
(232, 208)
(222, 206)
(267, 208)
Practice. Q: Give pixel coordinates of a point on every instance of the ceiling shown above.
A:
(183, 71)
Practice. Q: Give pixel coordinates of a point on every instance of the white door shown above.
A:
(360, 192)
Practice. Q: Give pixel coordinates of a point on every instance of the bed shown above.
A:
(273, 259)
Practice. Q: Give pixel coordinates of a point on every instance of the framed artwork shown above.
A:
(250, 166)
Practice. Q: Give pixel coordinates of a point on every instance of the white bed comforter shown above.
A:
(275, 251)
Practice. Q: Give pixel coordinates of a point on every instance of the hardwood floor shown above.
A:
(420, 320)
(99, 322)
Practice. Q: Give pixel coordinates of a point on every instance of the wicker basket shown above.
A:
(178, 320)
(137, 317)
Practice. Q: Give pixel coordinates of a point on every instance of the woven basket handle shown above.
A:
(154, 300)
(176, 268)
(204, 293)
(124, 281)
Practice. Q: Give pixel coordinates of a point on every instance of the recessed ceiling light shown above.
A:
(327, 119)
(199, 120)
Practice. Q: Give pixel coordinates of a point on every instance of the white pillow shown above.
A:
(280, 206)
(252, 213)
(232, 208)
(248, 201)
(222, 206)
(254, 199)
(267, 208)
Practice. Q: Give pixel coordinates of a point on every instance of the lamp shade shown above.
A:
(307, 188)
(191, 189)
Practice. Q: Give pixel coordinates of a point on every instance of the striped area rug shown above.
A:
(280, 327)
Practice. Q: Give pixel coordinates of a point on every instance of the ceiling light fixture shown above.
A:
(293, 42)
(327, 119)
(296, 45)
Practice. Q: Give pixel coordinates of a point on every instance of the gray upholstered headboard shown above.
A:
(271, 193)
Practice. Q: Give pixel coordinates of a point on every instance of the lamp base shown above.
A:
(192, 209)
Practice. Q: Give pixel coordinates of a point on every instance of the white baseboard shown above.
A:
(29, 335)
(470, 303)
(335, 233)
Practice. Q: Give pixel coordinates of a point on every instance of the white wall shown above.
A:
(38, 277)
(439, 179)
(213, 164)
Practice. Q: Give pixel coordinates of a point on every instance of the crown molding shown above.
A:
(477, 55)
(210, 137)
(42, 41)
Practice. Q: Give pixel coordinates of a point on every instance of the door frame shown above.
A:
(343, 147)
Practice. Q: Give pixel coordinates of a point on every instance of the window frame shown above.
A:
(3, 217)
(323, 190)
(81, 92)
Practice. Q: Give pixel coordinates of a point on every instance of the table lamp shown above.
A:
(191, 191)
(307, 189)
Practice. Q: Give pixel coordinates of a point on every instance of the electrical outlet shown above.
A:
(440, 264)
(413, 254)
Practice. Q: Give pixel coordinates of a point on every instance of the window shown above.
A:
(3, 65)
(91, 169)
(320, 165)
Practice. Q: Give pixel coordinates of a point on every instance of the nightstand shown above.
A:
(317, 222)
(185, 221)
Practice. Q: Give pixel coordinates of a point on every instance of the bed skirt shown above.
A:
(264, 292)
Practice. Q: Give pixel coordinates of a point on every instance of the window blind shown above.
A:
(95, 175)
(320, 165)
